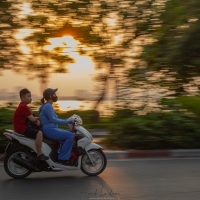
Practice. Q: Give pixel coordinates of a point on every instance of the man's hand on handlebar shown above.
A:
(71, 121)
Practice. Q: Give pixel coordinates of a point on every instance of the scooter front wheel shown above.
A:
(99, 162)
(14, 170)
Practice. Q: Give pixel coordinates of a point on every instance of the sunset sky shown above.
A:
(80, 76)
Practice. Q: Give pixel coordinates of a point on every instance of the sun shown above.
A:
(68, 46)
(65, 42)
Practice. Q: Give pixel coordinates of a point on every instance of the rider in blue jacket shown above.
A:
(50, 122)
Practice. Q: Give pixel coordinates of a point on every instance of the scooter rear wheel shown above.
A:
(99, 159)
(14, 170)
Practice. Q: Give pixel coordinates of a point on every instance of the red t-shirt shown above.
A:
(20, 118)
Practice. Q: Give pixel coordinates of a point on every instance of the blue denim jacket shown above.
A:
(48, 117)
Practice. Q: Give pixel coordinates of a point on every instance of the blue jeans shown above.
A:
(64, 137)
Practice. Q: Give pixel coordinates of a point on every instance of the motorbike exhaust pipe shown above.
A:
(24, 163)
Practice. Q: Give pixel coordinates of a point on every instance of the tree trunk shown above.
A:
(105, 87)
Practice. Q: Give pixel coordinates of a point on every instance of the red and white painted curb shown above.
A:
(152, 153)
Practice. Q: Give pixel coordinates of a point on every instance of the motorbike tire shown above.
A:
(86, 165)
(14, 170)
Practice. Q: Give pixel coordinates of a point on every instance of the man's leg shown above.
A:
(66, 147)
(38, 136)
(65, 138)
(38, 143)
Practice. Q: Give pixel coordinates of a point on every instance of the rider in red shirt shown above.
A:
(20, 122)
(20, 118)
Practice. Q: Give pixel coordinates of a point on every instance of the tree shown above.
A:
(176, 49)
(34, 61)
(9, 55)
(112, 32)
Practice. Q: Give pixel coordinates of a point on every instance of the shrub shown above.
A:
(6, 123)
(189, 103)
(121, 114)
(156, 131)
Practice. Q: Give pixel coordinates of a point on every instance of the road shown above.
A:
(140, 179)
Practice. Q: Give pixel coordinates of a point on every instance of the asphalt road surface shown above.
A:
(135, 179)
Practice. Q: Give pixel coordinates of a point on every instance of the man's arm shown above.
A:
(52, 116)
(32, 118)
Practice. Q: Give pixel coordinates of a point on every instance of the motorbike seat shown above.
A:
(13, 132)
(45, 139)
(50, 141)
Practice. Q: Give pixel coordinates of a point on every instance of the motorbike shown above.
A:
(21, 158)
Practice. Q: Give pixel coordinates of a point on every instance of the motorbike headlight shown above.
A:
(78, 120)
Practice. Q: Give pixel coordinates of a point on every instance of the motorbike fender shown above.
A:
(93, 146)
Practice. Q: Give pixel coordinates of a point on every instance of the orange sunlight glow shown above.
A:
(20, 35)
(73, 105)
(68, 46)
(25, 10)
(61, 42)
(117, 39)
(111, 21)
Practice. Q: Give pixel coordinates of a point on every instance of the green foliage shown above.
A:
(163, 130)
(6, 123)
(176, 45)
(191, 103)
(122, 114)
(172, 130)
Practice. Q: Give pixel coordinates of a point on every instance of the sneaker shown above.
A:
(72, 161)
(42, 157)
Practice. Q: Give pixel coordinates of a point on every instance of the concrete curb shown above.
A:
(116, 154)
(123, 154)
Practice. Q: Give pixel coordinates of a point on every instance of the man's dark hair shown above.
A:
(23, 92)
